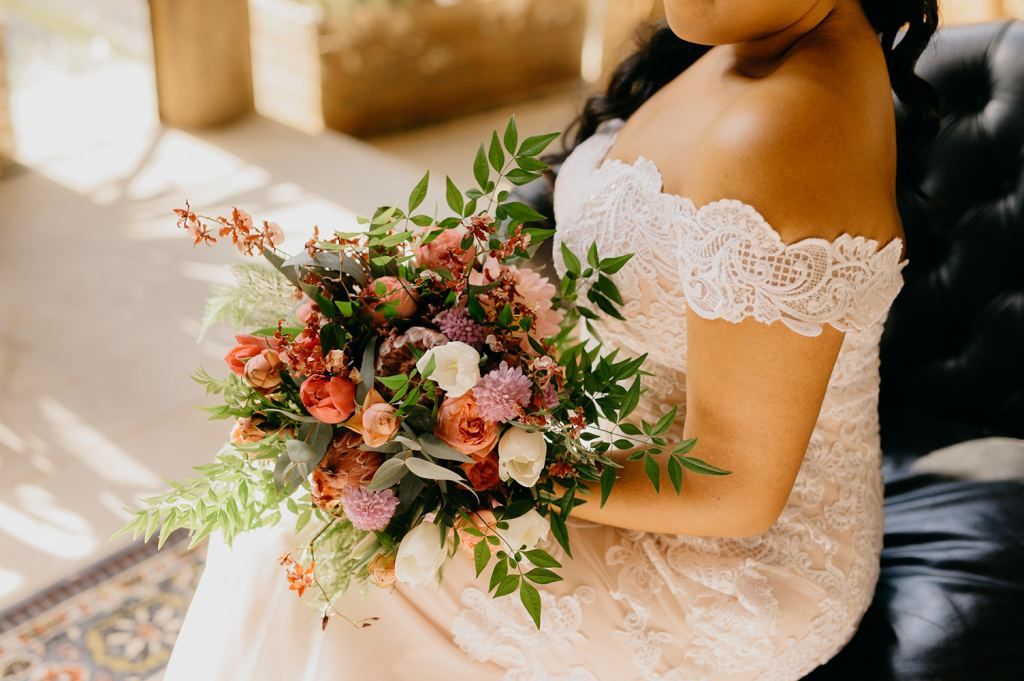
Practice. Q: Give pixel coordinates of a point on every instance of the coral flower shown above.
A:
(248, 347)
(328, 400)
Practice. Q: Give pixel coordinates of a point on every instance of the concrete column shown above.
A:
(6, 132)
(203, 70)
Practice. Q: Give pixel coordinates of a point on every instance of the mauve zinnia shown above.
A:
(498, 392)
(369, 510)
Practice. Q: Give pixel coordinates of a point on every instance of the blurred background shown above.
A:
(305, 112)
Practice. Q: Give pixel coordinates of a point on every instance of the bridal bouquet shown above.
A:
(415, 390)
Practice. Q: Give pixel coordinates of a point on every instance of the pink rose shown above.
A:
(329, 400)
(263, 371)
(248, 346)
(379, 424)
(430, 255)
(461, 426)
(394, 290)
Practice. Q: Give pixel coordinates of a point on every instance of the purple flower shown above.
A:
(457, 326)
(498, 392)
(369, 510)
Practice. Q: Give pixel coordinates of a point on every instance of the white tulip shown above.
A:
(528, 529)
(420, 555)
(521, 456)
(456, 367)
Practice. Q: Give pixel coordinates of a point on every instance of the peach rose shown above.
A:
(460, 425)
(429, 255)
(395, 290)
(482, 520)
(483, 473)
(344, 465)
(379, 424)
(247, 430)
(248, 347)
(328, 400)
(264, 370)
(382, 569)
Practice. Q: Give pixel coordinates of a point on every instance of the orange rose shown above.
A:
(482, 520)
(264, 370)
(482, 474)
(395, 289)
(461, 426)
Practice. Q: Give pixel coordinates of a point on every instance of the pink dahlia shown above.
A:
(498, 392)
(369, 510)
(537, 292)
(457, 326)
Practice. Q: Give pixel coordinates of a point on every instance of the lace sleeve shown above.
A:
(734, 265)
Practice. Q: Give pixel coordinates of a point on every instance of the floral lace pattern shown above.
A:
(500, 630)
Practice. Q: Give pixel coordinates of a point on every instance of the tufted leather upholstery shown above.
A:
(953, 348)
(949, 605)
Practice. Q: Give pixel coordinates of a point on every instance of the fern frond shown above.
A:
(259, 298)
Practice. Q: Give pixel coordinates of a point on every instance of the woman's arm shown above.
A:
(754, 392)
(810, 162)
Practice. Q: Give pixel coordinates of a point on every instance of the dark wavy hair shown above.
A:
(661, 56)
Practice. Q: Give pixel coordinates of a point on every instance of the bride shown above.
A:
(756, 182)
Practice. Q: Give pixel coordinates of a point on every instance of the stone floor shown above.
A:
(101, 296)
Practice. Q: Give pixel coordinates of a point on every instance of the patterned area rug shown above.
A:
(116, 621)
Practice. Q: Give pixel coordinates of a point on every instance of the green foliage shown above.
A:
(259, 297)
(234, 494)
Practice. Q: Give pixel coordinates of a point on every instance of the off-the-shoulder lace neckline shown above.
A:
(611, 132)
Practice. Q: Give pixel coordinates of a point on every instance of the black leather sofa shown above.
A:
(949, 605)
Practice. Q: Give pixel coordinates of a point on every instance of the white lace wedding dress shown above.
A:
(633, 605)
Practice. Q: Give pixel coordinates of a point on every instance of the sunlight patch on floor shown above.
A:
(94, 450)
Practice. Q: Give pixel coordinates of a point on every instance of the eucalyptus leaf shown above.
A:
(390, 472)
(322, 260)
(321, 437)
(299, 451)
(430, 471)
(439, 449)
(350, 267)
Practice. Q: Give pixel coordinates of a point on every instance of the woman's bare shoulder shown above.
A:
(812, 148)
